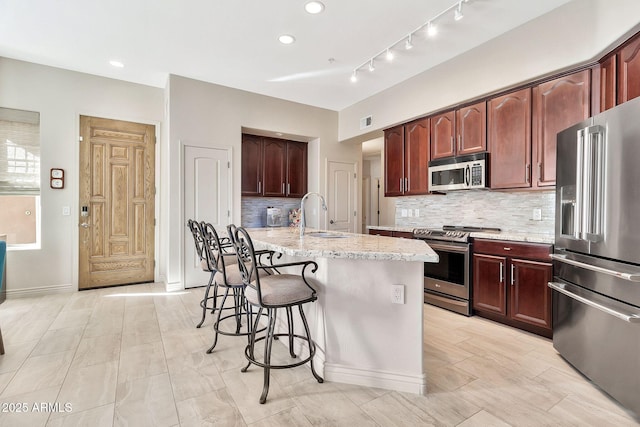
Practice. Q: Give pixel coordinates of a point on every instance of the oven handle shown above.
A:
(449, 248)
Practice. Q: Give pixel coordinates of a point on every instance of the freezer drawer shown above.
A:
(601, 338)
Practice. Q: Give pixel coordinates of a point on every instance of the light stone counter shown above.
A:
(356, 246)
(517, 237)
(361, 336)
(390, 228)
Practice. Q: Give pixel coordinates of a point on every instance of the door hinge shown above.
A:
(80, 139)
(154, 222)
(228, 165)
(355, 213)
(228, 214)
(354, 175)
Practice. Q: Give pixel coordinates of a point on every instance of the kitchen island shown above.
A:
(362, 337)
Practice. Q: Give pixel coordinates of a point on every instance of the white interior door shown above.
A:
(206, 198)
(341, 196)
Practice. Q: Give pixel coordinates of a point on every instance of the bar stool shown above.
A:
(227, 276)
(208, 302)
(271, 292)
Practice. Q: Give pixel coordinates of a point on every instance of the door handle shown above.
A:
(332, 222)
(84, 225)
(501, 272)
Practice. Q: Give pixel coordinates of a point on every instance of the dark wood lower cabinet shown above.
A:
(510, 284)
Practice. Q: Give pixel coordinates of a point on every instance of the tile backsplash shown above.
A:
(254, 210)
(511, 212)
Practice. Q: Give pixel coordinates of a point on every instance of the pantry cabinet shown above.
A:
(510, 284)
(273, 167)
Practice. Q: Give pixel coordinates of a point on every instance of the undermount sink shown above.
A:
(326, 235)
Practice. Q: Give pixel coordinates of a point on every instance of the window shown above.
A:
(19, 176)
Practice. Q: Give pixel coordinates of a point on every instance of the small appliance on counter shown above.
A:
(294, 218)
(274, 217)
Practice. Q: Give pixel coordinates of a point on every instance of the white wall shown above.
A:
(60, 97)
(213, 116)
(575, 33)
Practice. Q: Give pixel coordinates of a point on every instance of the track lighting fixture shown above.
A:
(408, 44)
(429, 28)
(458, 15)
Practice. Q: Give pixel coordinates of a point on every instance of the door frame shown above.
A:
(74, 186)
(357, 200)
(183, 220)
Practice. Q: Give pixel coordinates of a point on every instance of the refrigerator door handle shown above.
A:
(572, 292)
(631, 277)
(593, 175)
(579, 208)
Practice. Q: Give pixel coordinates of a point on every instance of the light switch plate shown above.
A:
(66, 210)
(537, 214)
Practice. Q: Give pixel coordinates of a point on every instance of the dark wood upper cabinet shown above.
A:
(416, 146)
(557, 104)
(394, 161)
(471, 126)
(443, 130)
(459, 132)
(509, 140)
(296, 169)
(275, 151)
(604, 80)
(251, 165)
(273, 167)
(629, 70)
(406, 155)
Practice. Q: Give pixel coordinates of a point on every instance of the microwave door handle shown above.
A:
(467, 175)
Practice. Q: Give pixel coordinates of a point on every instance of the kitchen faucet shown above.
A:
(302, 219)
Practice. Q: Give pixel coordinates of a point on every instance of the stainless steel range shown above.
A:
(447, 283)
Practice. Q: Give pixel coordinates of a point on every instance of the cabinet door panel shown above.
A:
(296, 169)
(629, 71)
(471, 123)
(394, 161)
(488, 289)
(530, 295)
(557, 104)
(606, 90)
(274, 167)
(509, 140)
(416, 146)
(251, 165)
(443, 135)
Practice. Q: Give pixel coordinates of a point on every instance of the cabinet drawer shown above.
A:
(536, 251)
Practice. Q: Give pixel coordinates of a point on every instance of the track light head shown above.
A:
(408, 44)
(354, 76)
(458, 15)
(371, 66)
(432, 30)
(389, 55)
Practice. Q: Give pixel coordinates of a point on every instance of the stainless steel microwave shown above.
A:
(459, 173)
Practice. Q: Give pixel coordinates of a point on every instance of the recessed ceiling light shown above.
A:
(116, 64)
(286, 39)
(314, 7)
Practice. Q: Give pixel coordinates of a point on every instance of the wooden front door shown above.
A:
(117, 194)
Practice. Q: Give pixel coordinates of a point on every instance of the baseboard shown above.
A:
(366, 377)
(40, 291)
(173, 287)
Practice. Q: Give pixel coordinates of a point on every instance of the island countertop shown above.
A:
(355, 246)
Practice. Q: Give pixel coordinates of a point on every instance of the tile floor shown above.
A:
(131, 356)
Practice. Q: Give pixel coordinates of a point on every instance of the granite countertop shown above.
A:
(503, 235)
(356, 246)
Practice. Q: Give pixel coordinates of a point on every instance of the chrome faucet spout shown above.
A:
(302, 218)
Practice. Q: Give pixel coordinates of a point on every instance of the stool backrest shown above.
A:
(198, 240)
(215, 247)
(247, 262)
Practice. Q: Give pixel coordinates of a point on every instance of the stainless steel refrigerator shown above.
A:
(596, 298)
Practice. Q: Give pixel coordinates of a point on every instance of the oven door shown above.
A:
(450, 275)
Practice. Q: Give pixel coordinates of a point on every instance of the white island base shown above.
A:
(361, 336)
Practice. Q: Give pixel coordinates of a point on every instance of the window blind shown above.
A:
(19, 152)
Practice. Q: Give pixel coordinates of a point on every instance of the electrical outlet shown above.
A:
(537, 214)
(410, 213)
(417, 213)
(403, 213)
(66, 210)
(397, 294)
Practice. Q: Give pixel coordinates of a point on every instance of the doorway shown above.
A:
(117, 203)
(206, 198)
(341, 196)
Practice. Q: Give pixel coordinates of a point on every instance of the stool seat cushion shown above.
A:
(280, 289)
(234, 277)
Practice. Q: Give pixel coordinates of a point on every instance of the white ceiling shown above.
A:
(235, 42)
